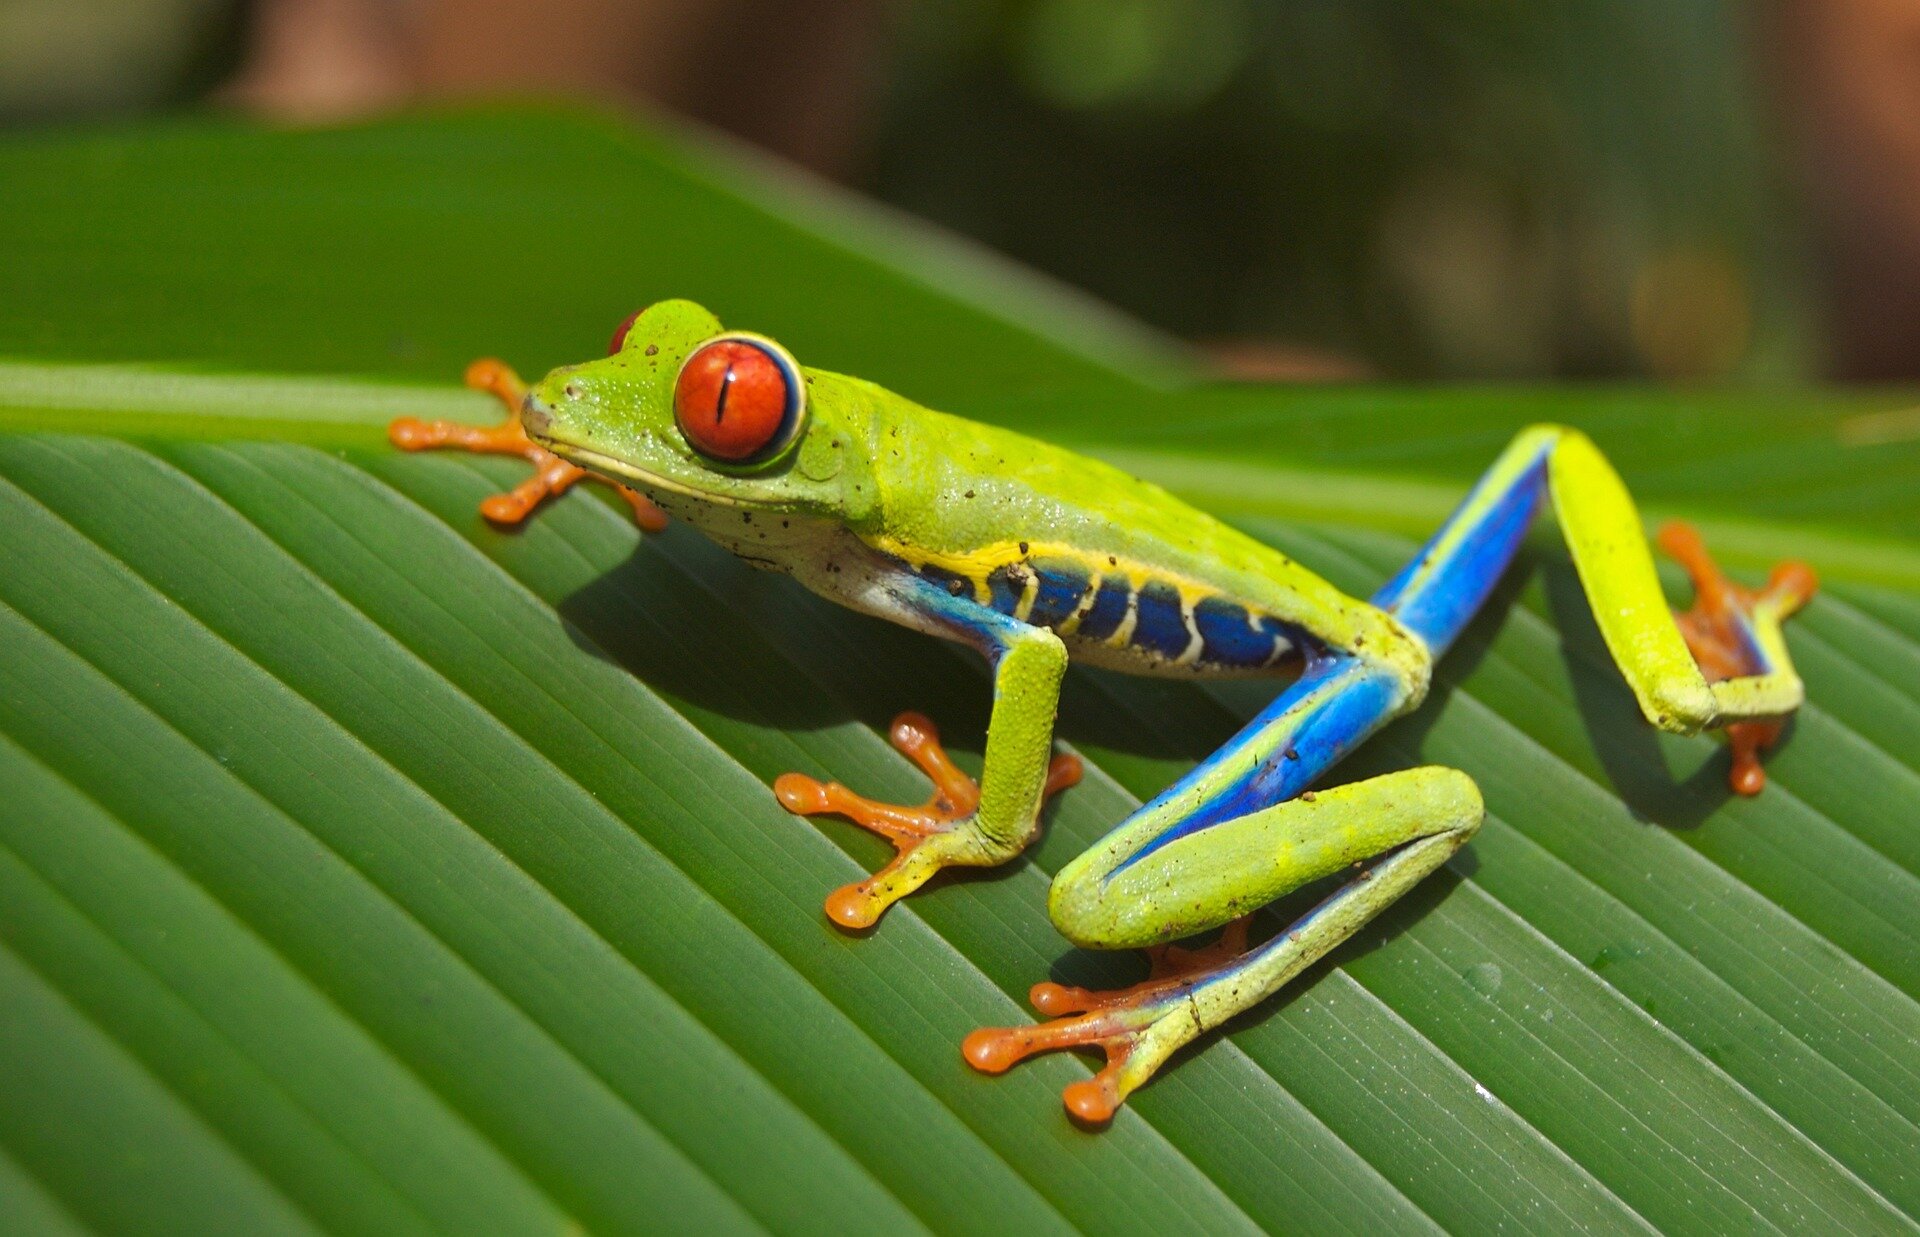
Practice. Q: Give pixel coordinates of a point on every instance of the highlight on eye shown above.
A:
(739, 398)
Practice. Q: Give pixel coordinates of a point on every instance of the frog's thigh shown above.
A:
(1227, 870)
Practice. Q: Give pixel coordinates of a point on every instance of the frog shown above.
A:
(1036, 556)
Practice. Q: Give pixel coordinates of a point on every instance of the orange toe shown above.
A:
(646, 513)
(1745, 740)
(1093, 1101)
(1113, 1022)
(955, 794)
(852, 906)
(954, 799)
(1064, 771)
(552, 476)
(800, 794)
(1715, 629)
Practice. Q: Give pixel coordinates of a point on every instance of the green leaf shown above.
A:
(365, 868)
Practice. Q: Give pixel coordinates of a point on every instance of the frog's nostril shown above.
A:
(571, 391)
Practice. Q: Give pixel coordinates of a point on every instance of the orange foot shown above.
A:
(552, 475)
(1137, 1027)
(1715, 630)
(927, 838)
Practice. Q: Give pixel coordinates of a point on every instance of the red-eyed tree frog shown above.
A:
(1034, 555)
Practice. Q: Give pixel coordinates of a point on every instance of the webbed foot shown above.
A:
(1720, 630)
(552, 475)
(1137, 1027)
(938, 833)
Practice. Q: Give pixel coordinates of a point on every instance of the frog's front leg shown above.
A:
(963, 824)
(1228, 839)
(552, 475)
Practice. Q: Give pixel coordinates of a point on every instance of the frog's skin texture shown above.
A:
(1034, 555)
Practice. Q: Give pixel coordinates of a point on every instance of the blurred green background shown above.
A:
(1688, 190)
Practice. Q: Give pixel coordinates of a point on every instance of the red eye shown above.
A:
(738, 398)
(619, 339)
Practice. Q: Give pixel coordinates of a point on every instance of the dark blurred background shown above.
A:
(1678, 189)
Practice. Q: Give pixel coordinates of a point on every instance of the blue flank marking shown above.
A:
(1160, 626)
(1062, 585)
(1228, 638)
(1109, 607)
(1004, 590)
(1439, 606)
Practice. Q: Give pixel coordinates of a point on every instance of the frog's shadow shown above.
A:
(1631, 753)
(694, 623)
(677, 631)
(698, 626)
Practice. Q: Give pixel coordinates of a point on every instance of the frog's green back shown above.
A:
(969, 500)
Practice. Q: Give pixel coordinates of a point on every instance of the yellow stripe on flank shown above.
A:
(1028, 594)
(1071, 623)
(974, 564)
(977, 564)
(1191, 654)
(1123, 634)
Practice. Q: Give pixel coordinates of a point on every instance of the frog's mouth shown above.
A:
(538, 423)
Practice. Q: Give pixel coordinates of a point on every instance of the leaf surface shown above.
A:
(365, 868)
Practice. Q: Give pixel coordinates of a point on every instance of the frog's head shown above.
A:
(699, 419)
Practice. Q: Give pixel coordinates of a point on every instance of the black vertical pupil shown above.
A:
(720, 401)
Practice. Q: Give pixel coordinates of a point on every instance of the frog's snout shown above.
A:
(535, 418)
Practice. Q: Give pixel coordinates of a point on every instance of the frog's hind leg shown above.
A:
(552, 475)
(1243, 828)
(1236, 833)
(1387, 833)
(924, 837)
(1722, 665)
